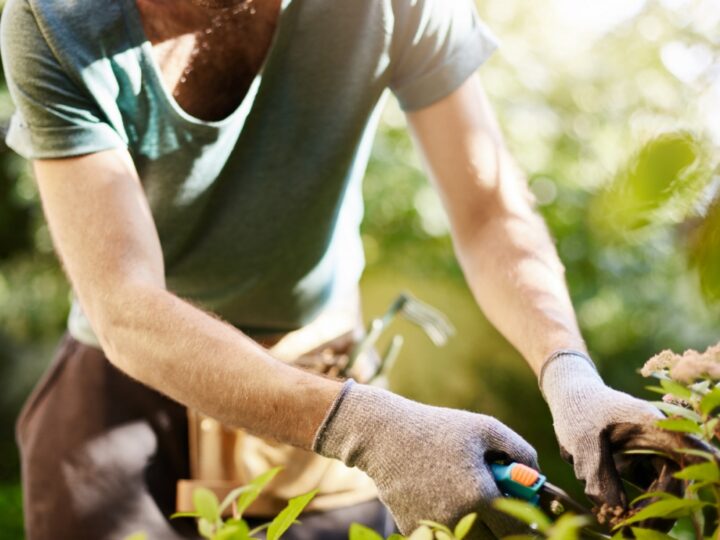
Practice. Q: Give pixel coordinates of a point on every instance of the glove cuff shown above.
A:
(323, 429)
(565, 364)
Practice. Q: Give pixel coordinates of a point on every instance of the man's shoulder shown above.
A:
(80, 28)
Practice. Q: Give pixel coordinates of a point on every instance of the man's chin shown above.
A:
(219, 4)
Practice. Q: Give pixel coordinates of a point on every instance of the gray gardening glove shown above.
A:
(595, 423)
(427, 462)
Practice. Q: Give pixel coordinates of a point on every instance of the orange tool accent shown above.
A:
(524, 475)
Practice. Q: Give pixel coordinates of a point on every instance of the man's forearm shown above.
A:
(210, 366)
(517, 278)
(507, 255)
(104, 233)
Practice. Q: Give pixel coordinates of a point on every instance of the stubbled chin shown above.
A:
(218, 3)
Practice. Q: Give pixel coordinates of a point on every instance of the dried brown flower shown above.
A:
(612, 515)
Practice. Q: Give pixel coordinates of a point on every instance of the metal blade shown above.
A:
(551, 496)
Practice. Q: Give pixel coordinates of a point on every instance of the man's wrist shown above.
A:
(564, 366)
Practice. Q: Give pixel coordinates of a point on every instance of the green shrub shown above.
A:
(209, 511)
(690, 385)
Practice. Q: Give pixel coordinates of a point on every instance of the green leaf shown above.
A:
(524, 511)
(684, 529)
(232, 496)
(184, 515)
(520, 537)
(464, 525)
(206, 528)
(435, 525)
(396, 536)
(137, 536)
(676, 389)
(683, 425)
(676, 410)
(567, 527)
(237, 530)
(286, 518)
(206, 504)
(264, 479)
(652, 495)
(707, 471)
(666, 508)
(236, 521)
(656, 389)
(421, 533)
(259, 528)
(697, 486)
(442, 535)
(649, 534)
(710, 401)
(361, 532)
(254, 488)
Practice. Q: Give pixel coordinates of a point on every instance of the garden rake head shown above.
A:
(432, 321)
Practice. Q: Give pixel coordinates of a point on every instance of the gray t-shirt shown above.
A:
(259, 213)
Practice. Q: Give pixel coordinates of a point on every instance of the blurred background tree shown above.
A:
(612, 108)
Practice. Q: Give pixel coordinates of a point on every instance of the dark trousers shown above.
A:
(101, 455)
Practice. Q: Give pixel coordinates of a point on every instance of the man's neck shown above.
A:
(167, 19)
(219, 4)
(225, 29)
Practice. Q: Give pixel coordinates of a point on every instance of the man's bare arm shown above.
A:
(106, 238)
(507, 255)
(513, 268)
(102, 227)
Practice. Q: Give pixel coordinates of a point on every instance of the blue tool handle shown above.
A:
(518, 481)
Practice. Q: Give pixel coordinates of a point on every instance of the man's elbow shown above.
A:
(123, 320)
(481, 213)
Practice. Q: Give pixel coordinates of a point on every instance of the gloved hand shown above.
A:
(594, 423)
(427, 462)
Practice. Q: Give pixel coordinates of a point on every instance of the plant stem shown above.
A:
(696, 526)
(716, 493)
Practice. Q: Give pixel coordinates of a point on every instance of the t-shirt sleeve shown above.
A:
(55, 116)
(436, 46)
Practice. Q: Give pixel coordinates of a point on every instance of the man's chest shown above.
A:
(208, 59)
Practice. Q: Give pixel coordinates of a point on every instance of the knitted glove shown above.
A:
(594, 423)
(427, 462)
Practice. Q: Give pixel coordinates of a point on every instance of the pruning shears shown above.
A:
(522, 482)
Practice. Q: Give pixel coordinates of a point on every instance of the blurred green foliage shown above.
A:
(606, 105)
(704, 246)
(658, 186)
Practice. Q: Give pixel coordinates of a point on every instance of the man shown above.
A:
(199, 165)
